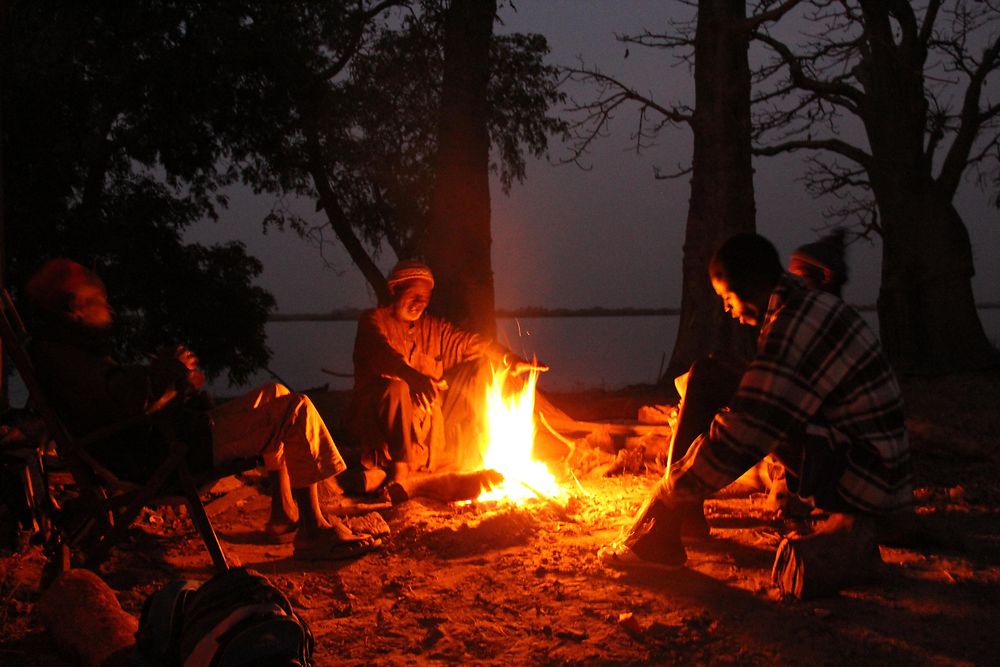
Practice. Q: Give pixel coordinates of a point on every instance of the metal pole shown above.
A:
(4, 371)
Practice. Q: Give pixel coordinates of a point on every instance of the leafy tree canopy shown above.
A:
(123, 125)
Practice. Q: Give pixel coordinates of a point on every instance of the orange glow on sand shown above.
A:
(510, 428)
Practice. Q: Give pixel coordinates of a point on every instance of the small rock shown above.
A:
(225, 485)
(631, 626)
(433, 636)
(572, 635)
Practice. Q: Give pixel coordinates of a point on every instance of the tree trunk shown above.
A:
(927, 314)
(4, 370)
(722, 198)
(458, 231)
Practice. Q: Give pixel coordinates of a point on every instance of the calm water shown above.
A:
(584, 352)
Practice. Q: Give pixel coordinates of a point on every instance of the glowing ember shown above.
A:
(511, 436)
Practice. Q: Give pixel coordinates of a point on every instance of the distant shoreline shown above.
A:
(352, 314)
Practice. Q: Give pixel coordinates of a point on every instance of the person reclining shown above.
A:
(91, 389)
(419, 386)
(819, 394)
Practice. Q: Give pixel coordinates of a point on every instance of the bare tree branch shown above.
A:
(971, 121)
(837, 92)
(833, 145)
(613, 94)
(770, 16)
(930, 17)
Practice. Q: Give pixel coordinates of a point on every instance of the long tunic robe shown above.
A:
(384, 420)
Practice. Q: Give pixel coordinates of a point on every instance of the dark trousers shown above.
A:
(710, 387)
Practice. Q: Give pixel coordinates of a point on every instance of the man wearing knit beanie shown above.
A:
(418, 383)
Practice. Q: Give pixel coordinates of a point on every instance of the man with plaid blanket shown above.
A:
(819, 395)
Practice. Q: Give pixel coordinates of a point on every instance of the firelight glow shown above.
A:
(511, 435)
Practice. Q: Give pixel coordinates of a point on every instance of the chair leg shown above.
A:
(123, 519)
(196, 509)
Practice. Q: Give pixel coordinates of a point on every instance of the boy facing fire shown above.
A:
(821, 397)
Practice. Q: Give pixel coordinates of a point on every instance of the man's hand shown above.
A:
(424, 389)
(195, 377)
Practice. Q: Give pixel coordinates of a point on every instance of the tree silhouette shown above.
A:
(915, 81)
(124, 125)
(360, 133)
(108, 158)
(458, 223)
(715, 46)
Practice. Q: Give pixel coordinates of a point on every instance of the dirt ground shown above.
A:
(507, 585)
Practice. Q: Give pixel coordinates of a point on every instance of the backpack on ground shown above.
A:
(235, 619)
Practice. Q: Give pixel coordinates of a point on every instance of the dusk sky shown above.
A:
(611, 236)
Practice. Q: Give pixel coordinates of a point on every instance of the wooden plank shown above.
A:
(222, 503)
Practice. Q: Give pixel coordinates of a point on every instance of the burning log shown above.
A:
(452, 487)
(510, 426)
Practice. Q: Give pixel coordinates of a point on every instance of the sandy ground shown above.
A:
(498, 584)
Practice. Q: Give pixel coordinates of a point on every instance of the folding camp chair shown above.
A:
(113, 504)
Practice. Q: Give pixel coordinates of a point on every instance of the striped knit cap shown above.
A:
(409, 270)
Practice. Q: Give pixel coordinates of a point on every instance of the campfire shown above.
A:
(510, 438)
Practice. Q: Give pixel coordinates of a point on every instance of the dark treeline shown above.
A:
(352, 314)
(124, 125)
(889, 102)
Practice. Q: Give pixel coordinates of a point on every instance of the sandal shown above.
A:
(327, 549)
(280, 532)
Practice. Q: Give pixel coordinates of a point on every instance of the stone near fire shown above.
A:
(83, 617)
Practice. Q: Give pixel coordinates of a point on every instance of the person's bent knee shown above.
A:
(273, 390)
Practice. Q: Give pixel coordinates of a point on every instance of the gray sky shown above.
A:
(611, 236)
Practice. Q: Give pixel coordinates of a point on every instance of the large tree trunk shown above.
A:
(458, 231)
(4, 370)
(927, 315)
(722, 198)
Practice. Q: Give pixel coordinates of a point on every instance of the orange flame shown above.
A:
(510, 434)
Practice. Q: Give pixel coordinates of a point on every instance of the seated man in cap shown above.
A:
(418, 383)
(820, 396)
(91, 389)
